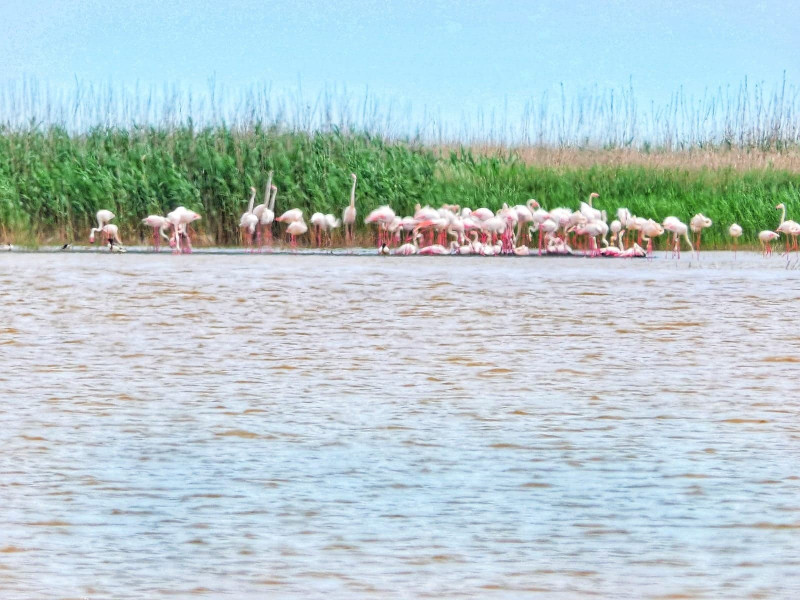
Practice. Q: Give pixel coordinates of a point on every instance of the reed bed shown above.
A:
(140, 152)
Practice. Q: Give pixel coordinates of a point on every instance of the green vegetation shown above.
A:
(52, 183)
(732, 155)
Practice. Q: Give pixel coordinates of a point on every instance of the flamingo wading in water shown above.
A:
(349, 213)
(697, 224)
(158, 224)
(103, 218)
(735, 231)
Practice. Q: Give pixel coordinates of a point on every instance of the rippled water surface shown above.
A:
(368, 427)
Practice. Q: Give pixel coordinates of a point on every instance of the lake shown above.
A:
(309, 426)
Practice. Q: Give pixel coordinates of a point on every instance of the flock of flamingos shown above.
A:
(454, 230)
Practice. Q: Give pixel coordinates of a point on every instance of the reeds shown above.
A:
(732, 156)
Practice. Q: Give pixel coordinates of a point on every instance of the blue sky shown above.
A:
(440, 54)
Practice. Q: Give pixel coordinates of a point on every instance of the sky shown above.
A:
(441, 54)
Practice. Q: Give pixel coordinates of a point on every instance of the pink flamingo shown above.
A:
(293, 215)
(349, 214)
(788, 228)
(383, 216)
(697, 223)
(103, 217)
(111, 234)
(735, 231)
(179, 219)
(296, 228)
(677, 228)
(249, 221)
(266, 219)
(259, 210)
(318, 221)
(766, 238)
(650, 229)
(264, 211)
(159, 224)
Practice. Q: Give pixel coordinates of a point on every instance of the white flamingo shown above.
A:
(159, 224)
(103, 217)
(296, 228)
(735, 231)
(697, 223)
(788, 228)
(766, 238)
(349, 213)
(677, 228)
(266, 219)
(249, 221)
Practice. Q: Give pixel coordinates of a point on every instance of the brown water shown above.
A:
(367, 427)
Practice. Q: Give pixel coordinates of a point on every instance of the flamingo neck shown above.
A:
(353, 194)
(688, 241)
(267, 189)
(783, 215)
(272, 200)
(252, 200)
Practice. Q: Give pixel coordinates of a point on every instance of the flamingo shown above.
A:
(735, 231)
(548, 227)
(766, 238)
(179, 219)
(592, 229)
(591, 214)
(349, 213)
(481, 214)
(436, 249)
(290, 216)
(266, 219)
(111, 233)
(330, 224)
(296, 228)
(103, 217)
(259, 210)
(525, 215)
(408, 249)
(677, 229)
(383, 216)
(159, 224)
(264, 211)
(616, 227)
(697, 223)
(318, 221)
(248, 220)
(650, 230)
(789, 228)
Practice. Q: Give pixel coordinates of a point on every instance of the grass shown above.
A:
(56, 172)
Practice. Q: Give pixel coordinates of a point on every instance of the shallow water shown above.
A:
(367, 427)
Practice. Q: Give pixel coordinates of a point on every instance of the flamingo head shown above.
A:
(252, 190)
(780, 206)
(353, 175)
(594, 195)
(91, 238)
